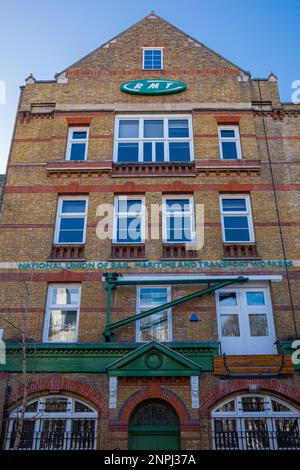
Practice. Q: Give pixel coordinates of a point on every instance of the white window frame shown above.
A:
(40, 415)
(129, 214)
(161, 49)
(242, 312)
(138, 310)
(247, 213)
(191, 213)
(235, 139)
(165, 139)
(240, 416)
(78, 141)
(60, 215)
(50, 307)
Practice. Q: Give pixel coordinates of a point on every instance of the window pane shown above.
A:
(227, 407)
(152, 59)
(129, 230)
(278, 407)
(147, 155)
(177, 205)
(257, 434)
(178, 128)
(227, 299)
(62, 325)
(239, 222)
(159, 152)
(229, 150)
(71, 235)
(72, 223)
(73, 207)
(228, 133)
(253, 404)
(153, 128)
(236, 229)
(255, 298)
(56, 405)
(258, 325)
(82, 408)
(230, 325)
(179, 152)
(153, 296)
(65, 295)
(128, 152)
(232, 205)
(128, 129)
(129, 205)
(179, 229)
(79, 135)
(77, 152)
(154, 327)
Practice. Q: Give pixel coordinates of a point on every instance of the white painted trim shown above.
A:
(247, 213)
(165, 139)
(142, 215)
(170, 277)
(59, 216)
(113, 392)
(138, 310)
(190, 213)
(244, 341)
(195, 391)
(153, 49)
(49, 307)
(236, 139)
(78, 141)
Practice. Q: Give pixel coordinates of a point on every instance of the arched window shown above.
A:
(53, 422)
(254, 422)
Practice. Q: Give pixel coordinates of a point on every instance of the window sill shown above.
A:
(67, 252)
(130, 252)
(77, 168)
(237, 166)
(150, 169)
(178, 251)
(240, 251)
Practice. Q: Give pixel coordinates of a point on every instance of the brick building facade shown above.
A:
(212, 368)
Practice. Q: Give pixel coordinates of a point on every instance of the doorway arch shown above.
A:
(154, 425)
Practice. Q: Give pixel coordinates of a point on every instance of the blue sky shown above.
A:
(45, 37)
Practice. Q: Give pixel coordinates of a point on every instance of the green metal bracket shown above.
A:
(213, 286)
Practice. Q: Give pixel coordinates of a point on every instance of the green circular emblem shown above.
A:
(153, 86)
(153, 360)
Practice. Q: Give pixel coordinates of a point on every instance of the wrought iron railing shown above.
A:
(51, 441)
(256, 440)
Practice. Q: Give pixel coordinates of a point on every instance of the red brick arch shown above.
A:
(269, 385)
(153, 391)
(59, 384)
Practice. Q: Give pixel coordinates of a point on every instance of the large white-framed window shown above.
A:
(152, 58)
(159, 325)
(178, 220)
(71, 220)
(245, 320)
(129, 219)
(53, 422)
(62, 313)
(255, 422)
(77, 145)
(236, 217)
(153, 138)
(229, 142)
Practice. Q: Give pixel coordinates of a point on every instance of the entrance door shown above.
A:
(154, 425)
(245, 321)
